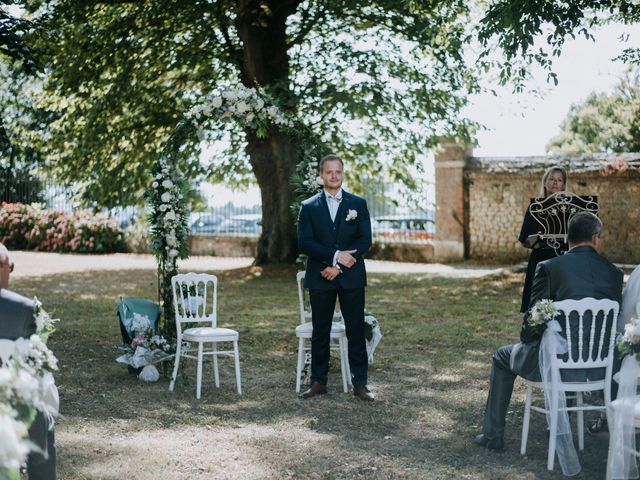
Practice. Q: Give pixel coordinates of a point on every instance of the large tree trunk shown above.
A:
(273, 160)
(265, 61)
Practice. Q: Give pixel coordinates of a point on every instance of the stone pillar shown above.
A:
(451, 211)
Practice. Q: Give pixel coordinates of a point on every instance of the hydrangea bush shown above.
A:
(31, 227)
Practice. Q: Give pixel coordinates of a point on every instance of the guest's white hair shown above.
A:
(4, 253)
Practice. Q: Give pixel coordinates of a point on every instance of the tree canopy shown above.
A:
(17, 60)
(603, 122)
(368, 77)
(514, 26)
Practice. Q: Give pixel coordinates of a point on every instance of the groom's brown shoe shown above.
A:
(363, 393)
(316, 388)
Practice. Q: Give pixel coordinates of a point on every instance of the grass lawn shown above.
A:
(430, 378)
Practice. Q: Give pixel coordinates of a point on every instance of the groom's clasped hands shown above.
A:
(344, 258)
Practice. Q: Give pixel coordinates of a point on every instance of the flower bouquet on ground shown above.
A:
(146, 349)
(372, 334)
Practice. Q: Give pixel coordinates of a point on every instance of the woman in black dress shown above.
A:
(554, 180)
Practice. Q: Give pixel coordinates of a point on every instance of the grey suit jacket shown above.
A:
(16, 315)
(579, 273)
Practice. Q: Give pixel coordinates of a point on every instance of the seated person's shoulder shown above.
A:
(309, 201)
(16, 299)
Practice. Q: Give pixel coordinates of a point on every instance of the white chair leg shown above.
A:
(580, 420)
(175, 365)
(526, 419)
(300, 363)
(216, 374)
(343, 364)
(199, 371)
(553, 431)
(344, 351)
(236, 354)
(346, 356)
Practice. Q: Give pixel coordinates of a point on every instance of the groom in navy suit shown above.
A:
(334, 230)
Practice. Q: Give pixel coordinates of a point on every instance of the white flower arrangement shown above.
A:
(168, 216)
(140, 323)
(26, 385)
(15, 445)
(372, 334)
(629, 341)
(44, 322)
(351, 215)
(312, 181)
(247, 106)
(542, 312)
(370, 322)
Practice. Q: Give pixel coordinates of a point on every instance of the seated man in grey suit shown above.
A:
(579, 273)
(17, 320)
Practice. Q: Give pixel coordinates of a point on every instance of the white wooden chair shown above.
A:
(195, 298)
(304, 331)
(590, 352)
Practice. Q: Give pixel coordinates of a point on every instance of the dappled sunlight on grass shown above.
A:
(430, 378)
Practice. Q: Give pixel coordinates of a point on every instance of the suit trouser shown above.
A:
(39, 467)
(501, 387)
(500, 390)
(323, 304)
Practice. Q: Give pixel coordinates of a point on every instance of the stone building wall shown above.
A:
(499, 191)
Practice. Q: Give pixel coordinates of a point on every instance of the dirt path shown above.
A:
(30, 264)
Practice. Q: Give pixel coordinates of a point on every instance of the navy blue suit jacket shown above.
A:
(579, 273)
(319, 238)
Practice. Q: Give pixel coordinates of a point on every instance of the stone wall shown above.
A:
(499, 191)
(246, 247)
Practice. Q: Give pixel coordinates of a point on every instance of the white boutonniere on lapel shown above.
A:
(351, 215)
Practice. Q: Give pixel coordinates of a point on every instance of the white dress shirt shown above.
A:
(333, 202)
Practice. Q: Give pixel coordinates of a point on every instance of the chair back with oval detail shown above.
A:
(195, 298)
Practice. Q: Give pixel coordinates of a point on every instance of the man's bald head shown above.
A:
(5, 266)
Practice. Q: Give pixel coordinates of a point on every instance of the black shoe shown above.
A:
(599, 425)
(495, 444)
(363, 393)
(315, 389)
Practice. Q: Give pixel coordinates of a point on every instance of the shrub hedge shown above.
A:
(29, 227)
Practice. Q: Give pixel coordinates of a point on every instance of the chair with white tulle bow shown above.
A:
(624, 423)
(589, 328)
(624, 412)
(304, 331)
(195, 298)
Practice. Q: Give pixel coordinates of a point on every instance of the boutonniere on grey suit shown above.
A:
(351, 215)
